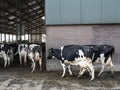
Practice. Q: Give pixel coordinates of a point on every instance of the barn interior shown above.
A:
(24, 21)
(21, 20)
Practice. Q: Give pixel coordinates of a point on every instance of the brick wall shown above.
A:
(58, 36)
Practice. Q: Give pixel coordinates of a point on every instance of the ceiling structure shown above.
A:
(28, 13)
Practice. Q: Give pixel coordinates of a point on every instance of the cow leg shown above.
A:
(91, 70)
(64, 69)
(110, 63)
(33, 65)
(20, 60)
(112, 67)
(102, 69)
(40, 63)
(8, 61)
(25, 60)
(5, 60)
(69, 69)
(11, 56)
(102, 58)
(82, 70)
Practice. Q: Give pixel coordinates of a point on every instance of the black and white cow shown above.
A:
(15, 48)
(6, 52)
(106, 57)
(35, 54)
(100, 54)
(14, 51)
(68, 55)
(83, 56)
(22, 51)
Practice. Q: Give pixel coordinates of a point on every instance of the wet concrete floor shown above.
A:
(20, 78)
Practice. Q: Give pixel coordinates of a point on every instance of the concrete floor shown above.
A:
(20, 78)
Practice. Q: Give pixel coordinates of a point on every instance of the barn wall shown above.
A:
(58, 36)
(82, 11)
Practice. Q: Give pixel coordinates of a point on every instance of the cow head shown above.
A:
(50, 53)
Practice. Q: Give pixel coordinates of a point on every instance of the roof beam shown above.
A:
(29, 6)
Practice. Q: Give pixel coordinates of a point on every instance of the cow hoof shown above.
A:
(91, 79)
(62, 76)
(71, 74)
(78, 76)
(99, 75)
(32, 71)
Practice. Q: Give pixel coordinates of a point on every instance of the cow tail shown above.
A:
(113, 51)
(110, 54)
(16, 53)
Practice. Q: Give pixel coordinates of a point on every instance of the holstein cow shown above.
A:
(6, 52)
(35, 54)
(101, 54)
(22, 50)
(104, 55)
(14, 50)
(68, 55)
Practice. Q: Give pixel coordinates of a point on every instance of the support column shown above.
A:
(4, 26)
(0, 37)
